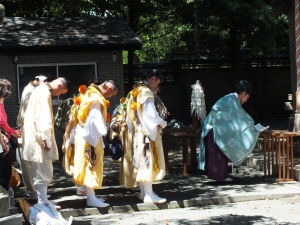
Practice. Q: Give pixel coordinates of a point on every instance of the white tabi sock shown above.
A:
(41, 190)
(92, 200)
(150, 197)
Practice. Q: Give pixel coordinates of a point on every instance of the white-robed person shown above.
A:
(90, 121)
(40, 148)
(140, 124)
(25, 166)
(68, 138)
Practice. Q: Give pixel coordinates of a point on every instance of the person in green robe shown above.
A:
(228, 133)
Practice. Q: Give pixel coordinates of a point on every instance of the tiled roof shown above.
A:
(91, 33)
(243, 55)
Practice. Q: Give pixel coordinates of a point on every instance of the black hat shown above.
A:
(115, 149)
(155, 72)
(242, 86)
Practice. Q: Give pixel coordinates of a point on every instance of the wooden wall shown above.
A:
(217, 83)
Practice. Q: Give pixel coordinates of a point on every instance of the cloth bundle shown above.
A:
(41, 214)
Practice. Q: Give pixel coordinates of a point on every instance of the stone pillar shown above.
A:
(297, 41)
(294, 36)
(297, 113)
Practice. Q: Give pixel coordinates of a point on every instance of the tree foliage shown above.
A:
(228, 26)
(168, 26)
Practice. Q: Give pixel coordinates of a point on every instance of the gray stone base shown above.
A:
(15, 219)
(3, 202)
(297, 174)
(8, 216)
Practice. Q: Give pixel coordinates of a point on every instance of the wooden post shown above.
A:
(166, 150)
(185, 155)
(195, 121)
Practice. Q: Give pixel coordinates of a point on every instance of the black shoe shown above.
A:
(236, 179)
(229, 180)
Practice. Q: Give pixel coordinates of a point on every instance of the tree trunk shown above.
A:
(197, 27)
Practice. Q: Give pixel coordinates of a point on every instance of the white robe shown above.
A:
(39, 126)
(94, 127)
(92, 132)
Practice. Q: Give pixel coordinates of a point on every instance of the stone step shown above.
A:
(3, 202)
(15, 219)
(8, 216)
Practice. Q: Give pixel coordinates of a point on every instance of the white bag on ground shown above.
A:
(41, 214)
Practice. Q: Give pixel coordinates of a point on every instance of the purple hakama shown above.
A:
(216, 163)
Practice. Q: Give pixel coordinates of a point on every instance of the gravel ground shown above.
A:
(280, 211)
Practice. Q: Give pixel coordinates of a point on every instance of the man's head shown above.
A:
(153, 78)
(244, 89)
(109, 88)
(59, 86)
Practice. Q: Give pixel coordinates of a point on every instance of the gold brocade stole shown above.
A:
(74, 114)
(155, 156)
(92, 93)
(144, 94)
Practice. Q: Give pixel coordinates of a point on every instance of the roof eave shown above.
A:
(69, 48)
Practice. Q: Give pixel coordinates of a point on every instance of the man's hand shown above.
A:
(18, 133)
(45, 146)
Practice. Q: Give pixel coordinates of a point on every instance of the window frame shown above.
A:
(54, 101)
